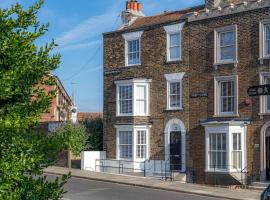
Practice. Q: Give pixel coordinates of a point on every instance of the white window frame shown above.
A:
(217, 52)
(131, 37)
(238, 150)
(119, 145)
(118, 98)
(134, 129)
(134, 83)
(217, 105)
(263, 99)
(229, 130)
(172, 78)
(170, 30)
(263, 54)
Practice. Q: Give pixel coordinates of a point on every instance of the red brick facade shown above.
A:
(60, 109)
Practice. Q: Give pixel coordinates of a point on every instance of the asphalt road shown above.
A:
(81, 189)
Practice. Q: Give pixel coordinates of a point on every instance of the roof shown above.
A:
(166, 17)
(63, 89)
(81, 116)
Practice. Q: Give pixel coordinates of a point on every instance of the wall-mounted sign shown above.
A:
(259, 90)
(198, 95)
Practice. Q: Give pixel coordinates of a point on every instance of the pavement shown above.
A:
(151, 183)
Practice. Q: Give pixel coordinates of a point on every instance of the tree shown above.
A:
(94, 128)
(74, 137)
(24, 70)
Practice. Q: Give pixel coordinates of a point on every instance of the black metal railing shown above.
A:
(154, 167)
(243, 179)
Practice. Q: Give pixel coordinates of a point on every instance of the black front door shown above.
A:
(268, 158)
(175, 150)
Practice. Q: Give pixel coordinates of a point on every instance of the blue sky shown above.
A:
(77, 27)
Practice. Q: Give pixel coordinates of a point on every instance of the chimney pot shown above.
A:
(139, 7)
(135, 6)
(131, 5)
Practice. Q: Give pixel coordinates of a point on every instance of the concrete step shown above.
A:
(258, 185)
(180, 177)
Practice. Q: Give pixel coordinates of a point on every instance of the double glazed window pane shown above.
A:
(227, 45)
(175, 94)
(175, 46)
(217, 150)
(237, 151)
(125, 144)
(133, 52)
(267, 39)
(141, 99)
(141, 145)
(125, 99)
(227, 97)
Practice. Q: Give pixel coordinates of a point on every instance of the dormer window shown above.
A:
(174, 42)
(133, 48)
(226, 45)
(265, 39)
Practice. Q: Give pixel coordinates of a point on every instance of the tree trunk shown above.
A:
(69, 159)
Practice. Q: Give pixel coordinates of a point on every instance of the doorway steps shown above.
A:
(177, 176)
(261, 186)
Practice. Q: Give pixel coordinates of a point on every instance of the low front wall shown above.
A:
(88, 159)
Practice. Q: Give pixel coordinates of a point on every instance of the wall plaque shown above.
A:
(198, 95)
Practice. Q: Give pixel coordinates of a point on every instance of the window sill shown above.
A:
(264, 58)
(134, 65)
(264, 114)
(226, 63)
(132, 115)
(127, 115)
(174, 109)
(173, 61)
(224, 171)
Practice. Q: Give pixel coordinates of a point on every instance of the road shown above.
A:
(81, 189)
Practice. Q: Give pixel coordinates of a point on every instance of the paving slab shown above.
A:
(175, 186)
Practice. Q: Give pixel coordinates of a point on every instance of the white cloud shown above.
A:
(78, 46)
(87, 29)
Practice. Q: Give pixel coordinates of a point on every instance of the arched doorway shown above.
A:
(175, 144)
(265, 152)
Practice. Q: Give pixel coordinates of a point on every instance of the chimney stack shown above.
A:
(132, 12)
(210, 4)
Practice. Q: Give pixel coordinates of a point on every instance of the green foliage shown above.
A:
(24, 70)
(74, 137)
(94, 128)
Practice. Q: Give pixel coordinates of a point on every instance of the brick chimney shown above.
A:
(210, 4)
(132, 12)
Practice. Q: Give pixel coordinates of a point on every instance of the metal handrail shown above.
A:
(226, 167)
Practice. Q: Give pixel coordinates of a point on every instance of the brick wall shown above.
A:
(154, 66)
(198, 59)
(202, 74)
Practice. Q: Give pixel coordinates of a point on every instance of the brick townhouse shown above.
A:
(175, 89)
(60, 109)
